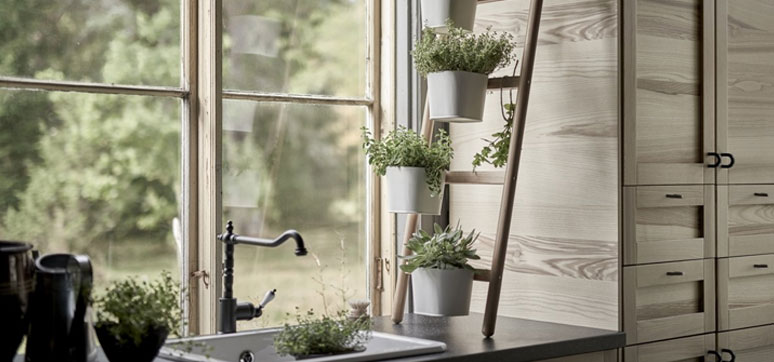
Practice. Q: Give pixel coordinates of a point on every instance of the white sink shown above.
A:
(258, 345)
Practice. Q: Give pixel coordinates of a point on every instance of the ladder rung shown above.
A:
(482, 275)
(475, 178)
(503, 82)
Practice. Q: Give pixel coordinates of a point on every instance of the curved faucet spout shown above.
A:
(230, 238)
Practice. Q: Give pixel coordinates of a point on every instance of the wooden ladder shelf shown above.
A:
(507, 179)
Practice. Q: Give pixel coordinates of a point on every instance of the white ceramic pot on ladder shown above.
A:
(442, 292)
(457, 96)
(409, 194)
(461, 12)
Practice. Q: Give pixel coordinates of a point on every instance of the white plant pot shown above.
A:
(440, 292)
(461, 12)
(457, 96)
(408, 192)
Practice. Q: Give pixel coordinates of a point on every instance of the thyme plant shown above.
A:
(462, 51)
(405, 148)
(445, 249)
(326, 335)
(495, 152)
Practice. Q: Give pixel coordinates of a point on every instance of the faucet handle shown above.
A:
(268, 297)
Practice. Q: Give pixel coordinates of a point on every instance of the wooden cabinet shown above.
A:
(669, 124)
(694, 348)
(669, 300)
(604, 356)
(668, 223)
(745, 220)
(749, 345)
(745, 291)
(745, 74)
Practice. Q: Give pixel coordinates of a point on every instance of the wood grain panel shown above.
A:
(562, 262)
(747, 220)
(689, 349)
(748, 75)
(749, 345)
(748, 298)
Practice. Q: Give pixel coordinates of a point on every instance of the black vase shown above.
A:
(16, 284)
(127, 351)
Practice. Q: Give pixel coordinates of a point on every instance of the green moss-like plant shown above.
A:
(445, 249)
(323, 336)
(130, 308)
(405, 148)
(462, 51)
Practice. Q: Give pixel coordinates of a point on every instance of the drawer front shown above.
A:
(670, 300)
(749, 345)
(668, 223)
(694, 349)
(745, 291)
(745, 220)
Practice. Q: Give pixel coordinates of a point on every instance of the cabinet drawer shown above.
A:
(749, 345)
(745, 220)
(668, 223)
(664, 301)
(683, 349)
(745, 291)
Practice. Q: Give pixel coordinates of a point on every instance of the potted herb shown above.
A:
(457, 66)
(442, 279)
(436, 13)
(134, 318)
(313, 337)
(415, 170)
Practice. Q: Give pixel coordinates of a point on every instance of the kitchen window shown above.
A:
(131, 130)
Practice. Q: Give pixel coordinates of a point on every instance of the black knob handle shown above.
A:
(760, 266)
(761, 194)
(731, 159)
(675, 273)
(718, 159)
(674, 196)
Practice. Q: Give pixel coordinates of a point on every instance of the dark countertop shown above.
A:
(515, 340)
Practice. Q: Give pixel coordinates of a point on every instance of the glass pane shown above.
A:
(92, 174)
(295, 166)
(120, 41)
(295, 46)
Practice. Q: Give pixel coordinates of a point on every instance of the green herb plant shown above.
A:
(446, 249)
(326, 335)
(495, 152)
(130, 308)
(405, 148)
(463, 51)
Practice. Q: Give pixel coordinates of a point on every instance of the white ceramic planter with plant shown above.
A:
(457, 66)
(436, 13)
(442, 279)
(415, 170)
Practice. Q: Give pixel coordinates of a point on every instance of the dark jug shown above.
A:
(16, 283)
(60, 324)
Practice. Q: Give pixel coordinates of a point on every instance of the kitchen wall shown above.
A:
(562, 262)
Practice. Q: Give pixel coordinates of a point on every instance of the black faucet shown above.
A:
(229, 311)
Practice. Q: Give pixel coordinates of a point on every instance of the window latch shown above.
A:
(203, 275)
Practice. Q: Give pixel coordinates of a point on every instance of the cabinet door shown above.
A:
(668, 223)
(745, 220)
(668, 92)
(745, 291)
(749, 345)
(693, 349)
(670, 300)
(745, 33)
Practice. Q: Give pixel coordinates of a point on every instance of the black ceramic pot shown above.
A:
(16, 284)
(128, 352)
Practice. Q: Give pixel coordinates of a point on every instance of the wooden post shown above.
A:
(512, 170)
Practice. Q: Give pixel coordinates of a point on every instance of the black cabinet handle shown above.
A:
(760, 266)
(716, 354)
(718, 159)
(674, 196)
(675, 273)
(731, 158)
(761, 194)
(733, 356)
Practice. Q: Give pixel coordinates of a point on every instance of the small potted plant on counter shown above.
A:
(415, 170)
(313, 337)
(134, 318)
(436, 13)
(457, 66)
(442, 279)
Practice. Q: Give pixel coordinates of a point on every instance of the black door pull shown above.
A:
(733, 356)
(761, 194)
(716, 354)
(760, 266)
(675, 273)
(718, 159)
(674, 196)
(731, 159)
